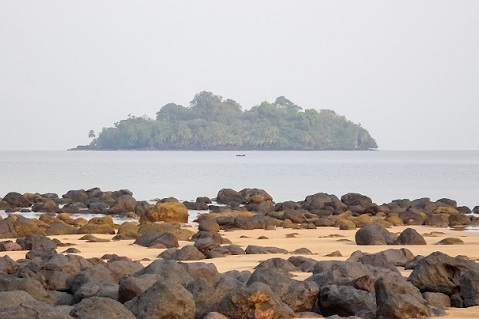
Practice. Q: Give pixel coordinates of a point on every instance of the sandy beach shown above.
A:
(320, 241)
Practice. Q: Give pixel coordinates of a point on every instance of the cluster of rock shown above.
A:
(351, 211)
(47, 284)
(249, 208)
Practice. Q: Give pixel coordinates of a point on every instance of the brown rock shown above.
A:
(168, 212)
(96, 229)
(451, 241)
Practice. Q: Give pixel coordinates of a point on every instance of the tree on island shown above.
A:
(213, 123)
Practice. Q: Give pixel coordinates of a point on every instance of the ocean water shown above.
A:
(285, 175)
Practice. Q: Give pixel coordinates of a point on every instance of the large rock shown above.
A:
(254, 301)
(46, 205)
(168, 212)
(346, 301)
(255, 196)
(258, 221)
(469, 283)
(323, 201)
(123, 204)
(36, 242)
(7, 230)
(97, 273)
(253, 249)
(207, 295)
(356, 202)
(29, 285)
(163, 301)
(373, 234)
(187, 252)
(298, 295)
(399, 299)
(94, 289)
(34, 309)
(168, 240)
(439, 272)
(16, 200)
(410, 236)
(100, 308)
(77, 196)
(228, 195)
(391, 257)
(27, 227)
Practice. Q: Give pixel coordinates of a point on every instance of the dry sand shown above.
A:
(320, 241)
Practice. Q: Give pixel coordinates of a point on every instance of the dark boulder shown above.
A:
(263, 207)
(46, 205)
(41, 254)
(123, 204)
(79, 196)
(410, 236)
(303, 263)
(412, 217)
(167, 270)
(122, 266)
(255, 222)
(100, 308)
(323, 201)
(255, 195)
(36, 242)
(16, 200)
(399, 299)
(439, 272)
(389, 258)
(8, 265)
(163, 300)
(166, 239)
(373, 234)
(254, 301)
(207, 295)
(97, 273)
(278, 264)
(187, 252)
(346, 301)
(235, 249)
(94, 289)
(298, 295)
(357, 201)
(469, 290)
(29, 285)
(228, 195)
(253, 249)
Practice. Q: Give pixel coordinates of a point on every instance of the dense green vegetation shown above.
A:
(214, 123)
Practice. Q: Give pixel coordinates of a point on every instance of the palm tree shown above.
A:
(91, 134)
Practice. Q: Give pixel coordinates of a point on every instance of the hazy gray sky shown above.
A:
(408, 71)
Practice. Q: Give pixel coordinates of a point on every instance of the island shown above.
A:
(214, 123)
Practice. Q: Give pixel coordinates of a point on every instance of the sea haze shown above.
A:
(286, 175)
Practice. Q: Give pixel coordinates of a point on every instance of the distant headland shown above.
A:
(214, 123)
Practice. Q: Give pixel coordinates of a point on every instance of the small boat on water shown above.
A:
(240, 154)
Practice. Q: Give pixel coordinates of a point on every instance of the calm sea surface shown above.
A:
(381, 175)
